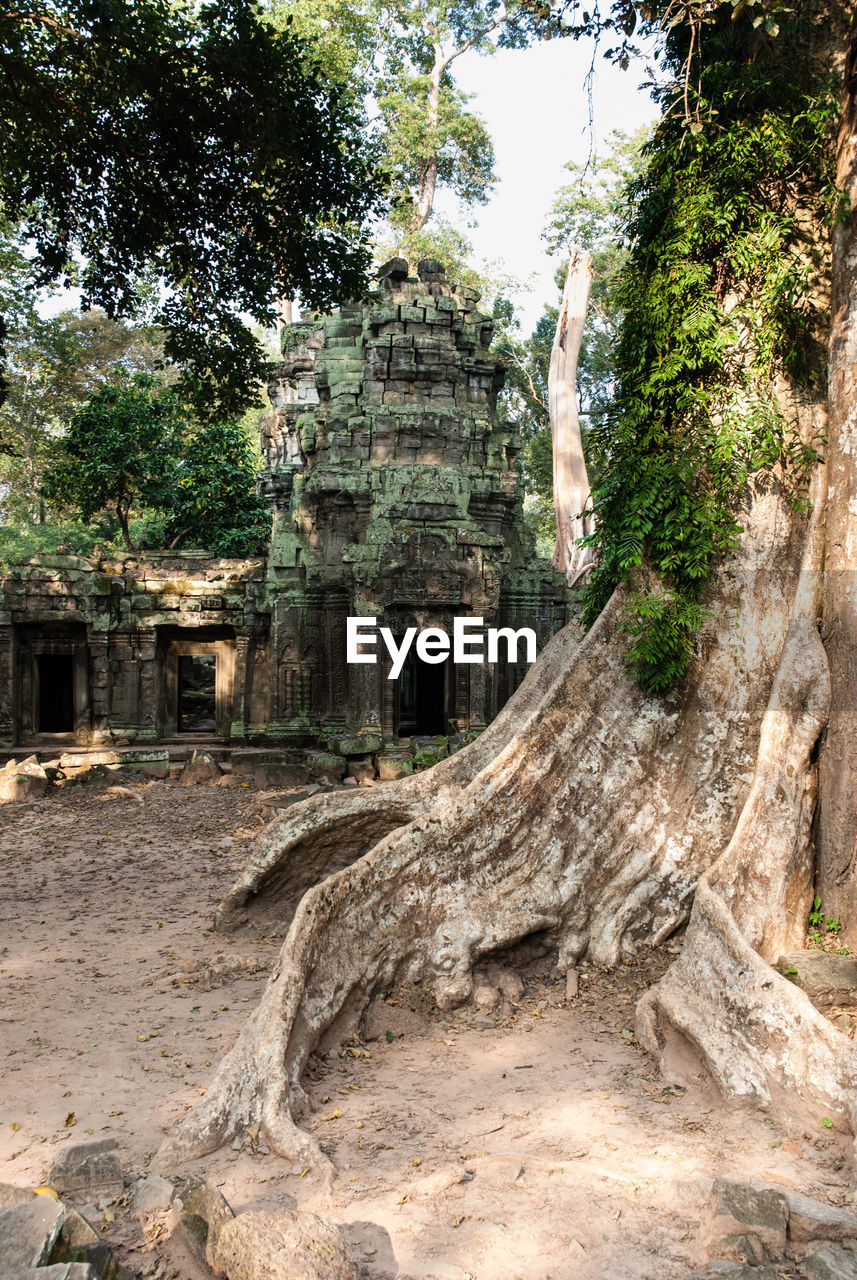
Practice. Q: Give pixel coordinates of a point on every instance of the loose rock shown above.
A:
(812, 1220)
(485, 997)
(79, 1244)
(88, 1166)
(744, 1224)
(362, 770)
(153, 1194)
(202, 767)
(283, 1246)
(202, 1212)
(507, 981)
(827, 979)
(23, 780)
(832, 1264)
(28, 1232)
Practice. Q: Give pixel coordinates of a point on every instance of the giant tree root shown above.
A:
(592, 824)
(328, 832)
(758, 1034)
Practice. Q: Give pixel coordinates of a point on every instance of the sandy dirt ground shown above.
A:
(537, 1144)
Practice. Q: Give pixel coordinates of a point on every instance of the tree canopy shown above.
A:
(136, 447)
(193, 143)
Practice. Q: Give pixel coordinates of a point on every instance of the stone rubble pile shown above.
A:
(189, 1224)
(748, 1230)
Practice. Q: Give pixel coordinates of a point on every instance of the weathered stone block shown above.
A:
(357, 744)
(827, 979)
(392, 767)
(202, 767)
(743, 1224)
(362, 770)
(323, 765)
(23, 780)
(28, 1232)
(832, 1264)
(202, 1212)
(283, 1246)
(88, 1166)
(85, 1253)
(812, 1220)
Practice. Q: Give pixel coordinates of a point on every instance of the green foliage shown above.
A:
(454, 148)
(53, 366)
(719, 301)
(527, 362)
(118, 452)
(190, 141)
(101, 536)
(439, 240)
(213, 501)
(138, 446)
(819, 921)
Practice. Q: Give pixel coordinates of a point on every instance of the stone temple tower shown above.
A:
(395, 495)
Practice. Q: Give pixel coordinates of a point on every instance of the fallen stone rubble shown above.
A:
(748, 1230)
(188, 1224)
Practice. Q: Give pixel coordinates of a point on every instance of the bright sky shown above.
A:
(533, 102)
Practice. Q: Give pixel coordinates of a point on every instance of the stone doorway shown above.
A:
(197, 693)
(54, 689)
(198, 682)
(52, 695)
(424, 694)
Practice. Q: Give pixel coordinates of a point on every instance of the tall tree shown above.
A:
(590, 212)
(570, 480)
(403, 55)
(137, 447)
(432, 139)
(837, 833)
(650, 771)
(192, 141)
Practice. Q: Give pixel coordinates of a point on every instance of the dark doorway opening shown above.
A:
(197, 693)
(422, 697)
(56, 693)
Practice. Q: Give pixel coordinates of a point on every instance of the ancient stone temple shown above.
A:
(391, 475)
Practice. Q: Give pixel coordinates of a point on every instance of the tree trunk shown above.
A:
(428, 185)
(837, 833)
(600, 819)
(329, 832)
(122, 516)
(756, 1033)
(570, 481)
(586, 813)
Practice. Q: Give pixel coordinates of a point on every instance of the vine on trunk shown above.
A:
(722, 303)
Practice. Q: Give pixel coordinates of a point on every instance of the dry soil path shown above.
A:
(542, 1146)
